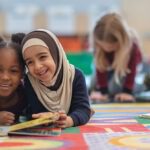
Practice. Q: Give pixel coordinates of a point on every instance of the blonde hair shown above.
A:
(112, 28)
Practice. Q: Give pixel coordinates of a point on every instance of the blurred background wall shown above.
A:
(72, 20)
(136, 13)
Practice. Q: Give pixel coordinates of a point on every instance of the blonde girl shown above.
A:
(117, 54)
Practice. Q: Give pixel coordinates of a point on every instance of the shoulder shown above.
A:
(135, 48)
(78, 72)
(79, 80)
(78, 75)
(136, 52)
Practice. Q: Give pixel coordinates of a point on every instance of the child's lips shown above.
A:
(42, 73)
(4, 86)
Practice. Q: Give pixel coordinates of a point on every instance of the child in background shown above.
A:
(12, 100)
(117, 54)
(52, 84)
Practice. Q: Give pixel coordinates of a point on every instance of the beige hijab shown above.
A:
(59, 99)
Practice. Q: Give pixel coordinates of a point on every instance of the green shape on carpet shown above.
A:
(71, 130)
(142, 120)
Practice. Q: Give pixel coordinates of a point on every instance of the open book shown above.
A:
(50, 130)
(33, 127)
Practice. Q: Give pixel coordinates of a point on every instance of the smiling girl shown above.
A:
(12, 100)
(52, 84)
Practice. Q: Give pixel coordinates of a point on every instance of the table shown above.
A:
(112, 127)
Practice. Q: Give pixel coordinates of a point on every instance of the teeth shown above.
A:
(4, 85)
(43, 72)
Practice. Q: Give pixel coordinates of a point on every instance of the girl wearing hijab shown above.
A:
(52, 84)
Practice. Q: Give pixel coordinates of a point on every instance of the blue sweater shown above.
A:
(79, 109)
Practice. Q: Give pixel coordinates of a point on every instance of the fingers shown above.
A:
(123, 97)
(39, 115)
(36, 115)
(10, 118)
(62, 122)
(63, 116)
(97, 97)
(7, 118)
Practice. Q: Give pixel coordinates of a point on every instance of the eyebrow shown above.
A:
(14, 66)
(41, 53)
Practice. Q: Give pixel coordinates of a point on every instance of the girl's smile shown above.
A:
(4, 86)
(40, 63)
(10, 72)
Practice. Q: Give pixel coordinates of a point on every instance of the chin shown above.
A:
(6, 96)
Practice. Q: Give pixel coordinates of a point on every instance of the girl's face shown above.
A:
(40, 63)
(10, 72)
(108, 47)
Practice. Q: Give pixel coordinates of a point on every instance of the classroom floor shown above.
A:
(113, 127)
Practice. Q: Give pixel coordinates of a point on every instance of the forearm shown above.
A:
(80, 117)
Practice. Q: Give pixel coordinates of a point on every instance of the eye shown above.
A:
(43, 57)
(15, 70)
(28, 63)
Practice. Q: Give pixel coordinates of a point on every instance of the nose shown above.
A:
(37, 66)
(5, 76)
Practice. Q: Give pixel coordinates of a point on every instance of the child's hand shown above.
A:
(64, 121)
(98, 97)
(40, 115)
(6, 118)
(50, 115)
(124, 97)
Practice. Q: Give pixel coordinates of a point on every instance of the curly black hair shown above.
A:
(15, 44)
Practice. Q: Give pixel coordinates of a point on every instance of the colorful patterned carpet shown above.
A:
(112, 127)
